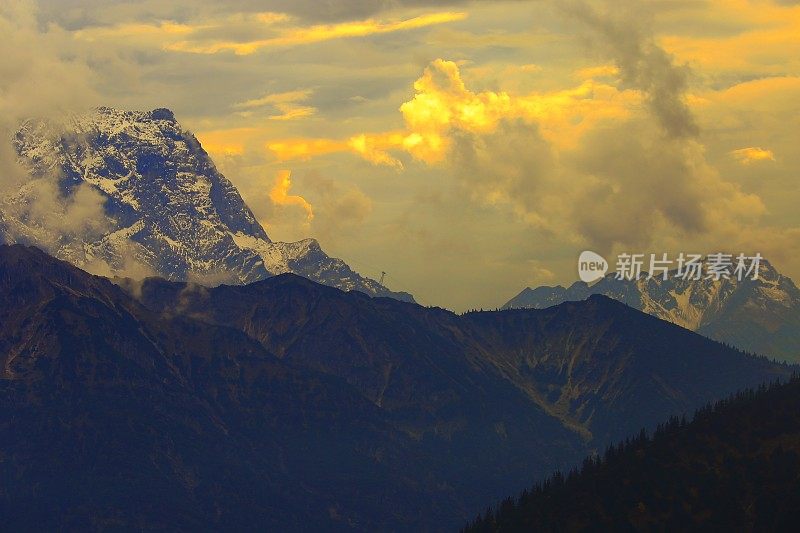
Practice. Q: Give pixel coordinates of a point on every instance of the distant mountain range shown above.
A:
(171, 210)
(296, 406)
(735, 467)
(760, 316)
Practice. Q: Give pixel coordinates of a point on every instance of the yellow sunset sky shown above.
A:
(469, 149)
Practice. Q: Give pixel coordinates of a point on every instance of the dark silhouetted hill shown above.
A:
(735, 467)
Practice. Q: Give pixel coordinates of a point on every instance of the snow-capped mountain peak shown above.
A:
(167, 208)
(759, 315)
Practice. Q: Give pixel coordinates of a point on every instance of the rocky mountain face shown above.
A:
(760, 316)
(169, 211)
(297, 406)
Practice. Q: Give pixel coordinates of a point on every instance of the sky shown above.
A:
(468, 149)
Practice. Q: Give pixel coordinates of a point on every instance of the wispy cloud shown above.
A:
(268, 30)
(136, 30)
(272, 30)
(293, 36)
(288, 103)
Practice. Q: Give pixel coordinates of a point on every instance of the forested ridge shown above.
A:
(734, 466)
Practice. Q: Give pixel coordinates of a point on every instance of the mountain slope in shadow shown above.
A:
(735, 467)
(602, 368)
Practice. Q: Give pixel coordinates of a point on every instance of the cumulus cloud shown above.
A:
(510, 166)
(443, 104)
(443, 107)
(586, 164)
(646, 189)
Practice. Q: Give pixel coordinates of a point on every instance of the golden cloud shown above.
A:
(443, 106)
(227, 142)
(316, 33)
(279, 194)
(277, 29)
(374, 148)
(304, 148)
(752, 154)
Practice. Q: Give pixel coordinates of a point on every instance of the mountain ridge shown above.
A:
(542, 353)
(760, 316)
